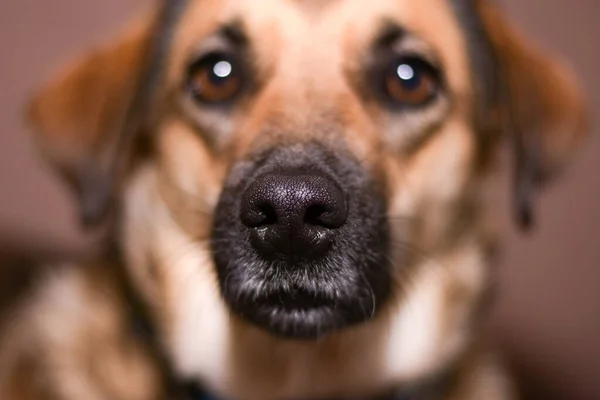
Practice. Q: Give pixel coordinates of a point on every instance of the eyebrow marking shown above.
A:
(389, 33)
(234, 32)
(395, 38)
(230, 36)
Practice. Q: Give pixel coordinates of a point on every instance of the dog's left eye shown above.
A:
(410, 82)
(214, 79)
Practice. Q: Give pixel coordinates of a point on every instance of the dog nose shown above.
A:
(293, 214)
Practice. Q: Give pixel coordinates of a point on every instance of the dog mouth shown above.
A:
(299, 243)
(295, 301)
(302, 313)
(298, 314)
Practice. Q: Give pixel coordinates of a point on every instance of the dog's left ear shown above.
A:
(541, 109)
(88, 118)
(78, 117)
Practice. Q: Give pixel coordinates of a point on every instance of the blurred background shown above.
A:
(548, 312)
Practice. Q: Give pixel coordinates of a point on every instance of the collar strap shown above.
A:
(434, 388)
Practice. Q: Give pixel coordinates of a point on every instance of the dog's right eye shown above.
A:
(214, 79)
(410, 81)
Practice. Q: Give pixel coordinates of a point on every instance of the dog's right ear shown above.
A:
(78, 118)
(541, 107)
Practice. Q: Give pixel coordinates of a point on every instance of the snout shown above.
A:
(293, 214)
(300, 242)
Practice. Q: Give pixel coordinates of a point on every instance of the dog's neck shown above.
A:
(433, 388)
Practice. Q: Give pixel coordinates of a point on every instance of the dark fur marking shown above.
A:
(99, 179)
(487, 79)
(493, 93)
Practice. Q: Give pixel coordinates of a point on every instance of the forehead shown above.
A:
(318, 17)
(325, 30)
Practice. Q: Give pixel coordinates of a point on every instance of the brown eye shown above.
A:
(214, 80)
(411, 82)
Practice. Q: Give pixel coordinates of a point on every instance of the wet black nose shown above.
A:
(293, 214)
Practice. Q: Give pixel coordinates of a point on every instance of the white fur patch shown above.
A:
(197, 329)
(414, 331)
(421, 338)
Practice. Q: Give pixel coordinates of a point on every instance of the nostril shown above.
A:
(269, 214)
(321, 215)
(293, 213)
(328, 212)
(314, 215)
(256, 215)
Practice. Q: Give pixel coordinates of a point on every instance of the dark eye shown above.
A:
(214, 79)
(411, 82)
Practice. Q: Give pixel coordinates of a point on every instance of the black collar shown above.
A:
(433, 389)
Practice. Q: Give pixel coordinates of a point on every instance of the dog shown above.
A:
(299, 214)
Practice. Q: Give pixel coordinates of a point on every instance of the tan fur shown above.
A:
(307, 56)
(547, 100)
(72, 341)
(95, 90)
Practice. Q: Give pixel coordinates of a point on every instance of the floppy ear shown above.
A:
(81, 115)
(541, 109)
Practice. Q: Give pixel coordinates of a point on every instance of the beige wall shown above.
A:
(549, 310)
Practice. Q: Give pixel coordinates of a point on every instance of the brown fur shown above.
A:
(72, 340)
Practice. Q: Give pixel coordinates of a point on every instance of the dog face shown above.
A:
(301, 235)
(303, 158)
